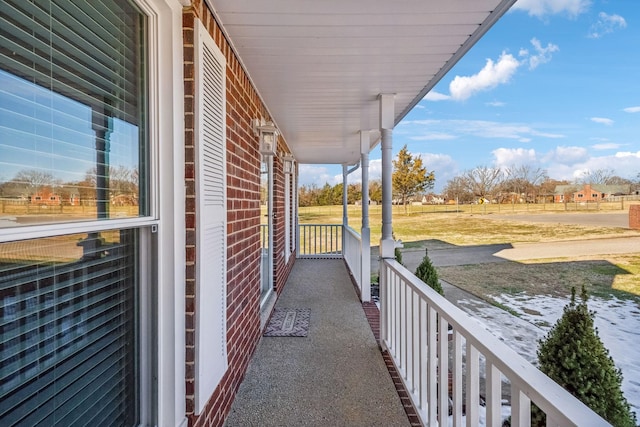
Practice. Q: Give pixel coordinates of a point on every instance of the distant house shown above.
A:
(45, 198)
(49, 198)
(588, 192)
(432, 199)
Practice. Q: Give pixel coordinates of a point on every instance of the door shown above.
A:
(266, 228)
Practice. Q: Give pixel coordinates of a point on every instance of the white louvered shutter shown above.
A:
(211, 277)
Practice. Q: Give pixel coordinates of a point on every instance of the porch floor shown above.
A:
(335, 376)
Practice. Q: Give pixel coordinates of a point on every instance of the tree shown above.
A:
(375, 191)
(548, 187)
(524, 179)
(410, 177)
(428, 274)
(598, 176)
(308, 195)
(34, 178)
(573, 355)
(458, 189)
(483, 181)
(618, 180)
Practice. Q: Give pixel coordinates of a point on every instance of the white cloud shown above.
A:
(317, 175)
(496, 73)
(606, 24)
(496, 104)
(541, 8)
(567, 155)
(573, 162)
(542, 55)
(433, 136)
(632, 109)
(436, 96)
(606, 146)
(443, 166)
(514, 156)
(476, 128)
(629, 154)
(375, 172)
(491, 75)
(602, 120)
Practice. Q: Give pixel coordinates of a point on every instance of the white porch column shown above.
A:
(345, 212)
(365, 232)
(387, 244)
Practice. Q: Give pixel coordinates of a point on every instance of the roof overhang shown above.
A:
(320, 66)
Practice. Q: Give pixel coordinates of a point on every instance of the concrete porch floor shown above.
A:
(336, 376)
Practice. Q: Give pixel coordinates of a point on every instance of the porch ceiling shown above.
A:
(320, 65)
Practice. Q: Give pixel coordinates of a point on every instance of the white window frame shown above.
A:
(166, 400)
(165, 134)
(163, 231)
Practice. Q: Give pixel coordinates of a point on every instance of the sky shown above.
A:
(554, 84)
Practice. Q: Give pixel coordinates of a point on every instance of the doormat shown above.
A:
(288, 322)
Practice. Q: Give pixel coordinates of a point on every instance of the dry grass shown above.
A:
(457, 228)
(608, 275)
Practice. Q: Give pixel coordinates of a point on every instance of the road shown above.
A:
(463, 255)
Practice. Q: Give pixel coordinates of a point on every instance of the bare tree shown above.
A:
(458, 189)
(524, 179)
(34, 178)
(618, 180)
(598, 176)
(483, 181)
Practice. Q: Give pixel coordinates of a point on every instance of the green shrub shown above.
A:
(573, 355)
(398, 255)
(428, 274)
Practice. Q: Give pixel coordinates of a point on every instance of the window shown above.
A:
(72, 107)
(73, 134)
(68, 330)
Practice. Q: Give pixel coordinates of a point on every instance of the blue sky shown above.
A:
(555, 84)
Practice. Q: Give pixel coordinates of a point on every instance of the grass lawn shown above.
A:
(616, 275)
(462, 228)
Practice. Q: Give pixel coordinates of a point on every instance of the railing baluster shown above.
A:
(443, 371)
(415, 345)
(403, 328)
(432, 366)
(520, 408)
(424, 343)
(419, 349)
(456, 380)
(494, 395)
(473, 385)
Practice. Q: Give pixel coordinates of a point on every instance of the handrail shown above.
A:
(413, 319)
(320, 241)
(353, 254)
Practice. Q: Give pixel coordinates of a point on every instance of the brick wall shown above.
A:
(634, 217)
(243, 221)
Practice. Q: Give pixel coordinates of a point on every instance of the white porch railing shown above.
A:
(353, 253)
(319, 241)
(414, 318)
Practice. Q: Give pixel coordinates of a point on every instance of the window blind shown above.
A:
(72, 109)
(68, 330)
